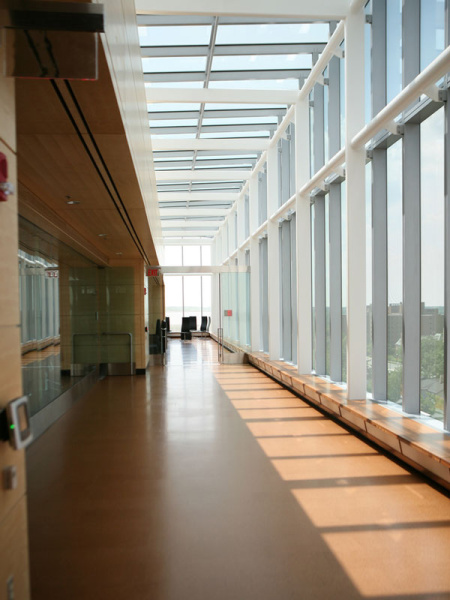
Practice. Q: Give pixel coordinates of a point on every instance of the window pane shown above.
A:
(432, 30)
(344, 278)
(395, 272)
(206, 295)
(272, 33)
(368, 64)
(327, 286)
(174, 300)
(206, 256)
(393, 48)
(432, 268)
(313, 290)
(342, 97)
(172, 256)
(191, 256)
(192, 297)
(369, 273)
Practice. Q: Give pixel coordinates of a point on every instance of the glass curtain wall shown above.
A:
(187, 295)
(288, 291)
(417, 149)
(432, 265)
(264, 295)
(395, 274)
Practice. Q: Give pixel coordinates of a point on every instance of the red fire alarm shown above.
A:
(5, 188)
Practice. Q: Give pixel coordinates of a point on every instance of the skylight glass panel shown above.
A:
(202, 167)
(272, 33)
(174, 168)
(241, 106)
(231, 156)
(257, 84)
(266, 61)
(236, 134)
(173, 84)
(171, 107)
(174, 123)
(172, 136)
(241, 121)
(175, 36)
(170, 64)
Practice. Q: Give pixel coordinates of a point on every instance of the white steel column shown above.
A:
(356, 217)
(255, 332)
(303, 228)
(242, 307)
(273, 263)
(240, 209)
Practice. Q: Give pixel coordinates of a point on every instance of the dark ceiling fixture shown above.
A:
(51, 40)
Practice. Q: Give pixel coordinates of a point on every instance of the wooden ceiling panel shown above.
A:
(56, 166)
(71, 142)
(38, 108)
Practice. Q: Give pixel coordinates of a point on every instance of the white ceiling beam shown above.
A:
(191, 224)
(202, 95)
(199, 197)
(203, 175)
(183, 233)
(251, 144)
(304, 9)
(150, 20)
(243, 75)
(193, 212)
(155, 130)
(216, 114)
(232, 50)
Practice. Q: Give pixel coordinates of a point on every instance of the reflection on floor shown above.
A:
(203, 481)
(42, 379)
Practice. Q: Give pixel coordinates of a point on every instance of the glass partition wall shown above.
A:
(75, 316)
(404, 226)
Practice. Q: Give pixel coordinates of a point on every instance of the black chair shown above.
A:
(204, 325)
(185, 328)
(168, 324)
(155, 339)
(193, 323)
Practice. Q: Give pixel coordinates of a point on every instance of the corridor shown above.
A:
(207, 482)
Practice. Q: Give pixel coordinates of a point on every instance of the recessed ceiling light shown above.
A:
(102, 235)
(119, 253)
(73, 202)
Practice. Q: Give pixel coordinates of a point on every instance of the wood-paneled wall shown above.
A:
(13, 520)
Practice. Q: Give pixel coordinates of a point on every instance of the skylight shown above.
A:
(174, 36)
(266, 61)
(272, 33)
(168, 64)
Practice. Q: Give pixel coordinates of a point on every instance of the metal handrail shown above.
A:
(220, 344)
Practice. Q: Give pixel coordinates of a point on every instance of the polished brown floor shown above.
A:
(209, 482)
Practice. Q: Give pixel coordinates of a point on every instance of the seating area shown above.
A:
(189, 326)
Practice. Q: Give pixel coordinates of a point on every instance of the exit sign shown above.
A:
(227, 313)
(153, 272)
